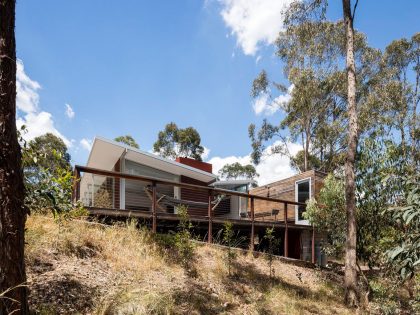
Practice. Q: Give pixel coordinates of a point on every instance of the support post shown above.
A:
(251, 245)
(210, 215)
(313, 244)
(286, 233)
(154, 207)
(76, 185)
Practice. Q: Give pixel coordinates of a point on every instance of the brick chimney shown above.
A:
(206, 167)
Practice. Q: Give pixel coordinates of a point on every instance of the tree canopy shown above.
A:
(128, 140)
(176, 142)
(238, 171)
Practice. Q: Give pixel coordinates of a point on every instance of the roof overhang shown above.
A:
(105, 153)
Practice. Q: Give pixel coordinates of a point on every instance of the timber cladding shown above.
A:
(284, 189)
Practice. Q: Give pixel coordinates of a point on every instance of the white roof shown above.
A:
(234, 182)
(105, 153)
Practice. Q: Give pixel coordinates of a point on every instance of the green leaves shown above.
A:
(237, 170)
(128, 140)
(174, 142)
(404, 257)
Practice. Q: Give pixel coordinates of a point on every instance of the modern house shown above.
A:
(120, 180)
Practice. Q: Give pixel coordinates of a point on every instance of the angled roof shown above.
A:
(105, 153)
(233, 182)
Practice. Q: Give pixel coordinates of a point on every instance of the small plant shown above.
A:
(272, 244)
(183, 243)
(228, 240)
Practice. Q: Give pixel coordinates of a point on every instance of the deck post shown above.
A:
(154, 203)
(251, 245)
(286, 232)
(313, 244)
(76, 185)
(210, 215)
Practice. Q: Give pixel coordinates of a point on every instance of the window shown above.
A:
(303, 193)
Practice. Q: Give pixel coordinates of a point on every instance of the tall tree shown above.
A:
(350, 274)
(176, 142)
(237, 170)
(128, 140)
(12, 210)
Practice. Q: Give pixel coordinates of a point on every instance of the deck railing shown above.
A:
(119, 194)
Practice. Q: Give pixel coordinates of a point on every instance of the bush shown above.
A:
(183, 243)
(228, 240)
(272, 244)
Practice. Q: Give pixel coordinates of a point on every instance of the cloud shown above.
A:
(206, 153)
(263, 105)
(86, 144)
(272, 167)
(69, 111)
(254, 22)
(37, 122)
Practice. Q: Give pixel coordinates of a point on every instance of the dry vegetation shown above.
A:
(90, 268)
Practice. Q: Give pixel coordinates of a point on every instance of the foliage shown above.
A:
(298, 161)
(183, 243)
(176, 142)
(314, 113)
(405, 256)
(272, 244)
(48, 177)
(128, 140)
(237, 170)
(228, 240)
(328, 213)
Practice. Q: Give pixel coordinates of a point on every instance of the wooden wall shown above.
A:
(284, 189)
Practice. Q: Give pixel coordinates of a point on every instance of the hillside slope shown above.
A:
(89, 268)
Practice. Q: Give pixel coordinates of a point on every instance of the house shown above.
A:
(107, 192)
(299, 188)
(120, 180)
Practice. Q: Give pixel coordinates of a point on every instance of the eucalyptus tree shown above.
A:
(13, 292)
(326, 54)
(400, 91)
(237, 170)
(176, 142)
(128, 140)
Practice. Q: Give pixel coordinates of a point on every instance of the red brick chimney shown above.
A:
(206, 167)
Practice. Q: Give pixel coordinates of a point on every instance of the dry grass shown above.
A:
(89, 268)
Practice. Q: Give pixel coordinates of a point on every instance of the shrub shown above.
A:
(183, 243)
(228, 240)
(272, 244)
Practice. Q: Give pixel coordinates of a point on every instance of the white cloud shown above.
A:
(37, 122)
(69, 111)
(263, 105)
(273, 167)
(86, 144)
(254, 22)
(206, 153)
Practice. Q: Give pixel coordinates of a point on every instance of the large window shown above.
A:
(303, 193)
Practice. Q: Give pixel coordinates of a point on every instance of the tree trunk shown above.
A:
(350, 276)
(12, 210)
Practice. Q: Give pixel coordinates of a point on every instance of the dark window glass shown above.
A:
(303, 195)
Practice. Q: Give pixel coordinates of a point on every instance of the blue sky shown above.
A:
(130, 67)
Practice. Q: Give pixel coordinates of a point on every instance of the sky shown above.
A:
(110, 68)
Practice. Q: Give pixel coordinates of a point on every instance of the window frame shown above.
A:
(307, 179)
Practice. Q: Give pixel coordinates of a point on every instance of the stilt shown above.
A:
(154, 208)
(313, 244)
(210, 215)
(286, 233)
(251, 245)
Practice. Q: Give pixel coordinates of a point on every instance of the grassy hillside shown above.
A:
(90, 268)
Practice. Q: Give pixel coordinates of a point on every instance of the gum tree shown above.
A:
(12, 211)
